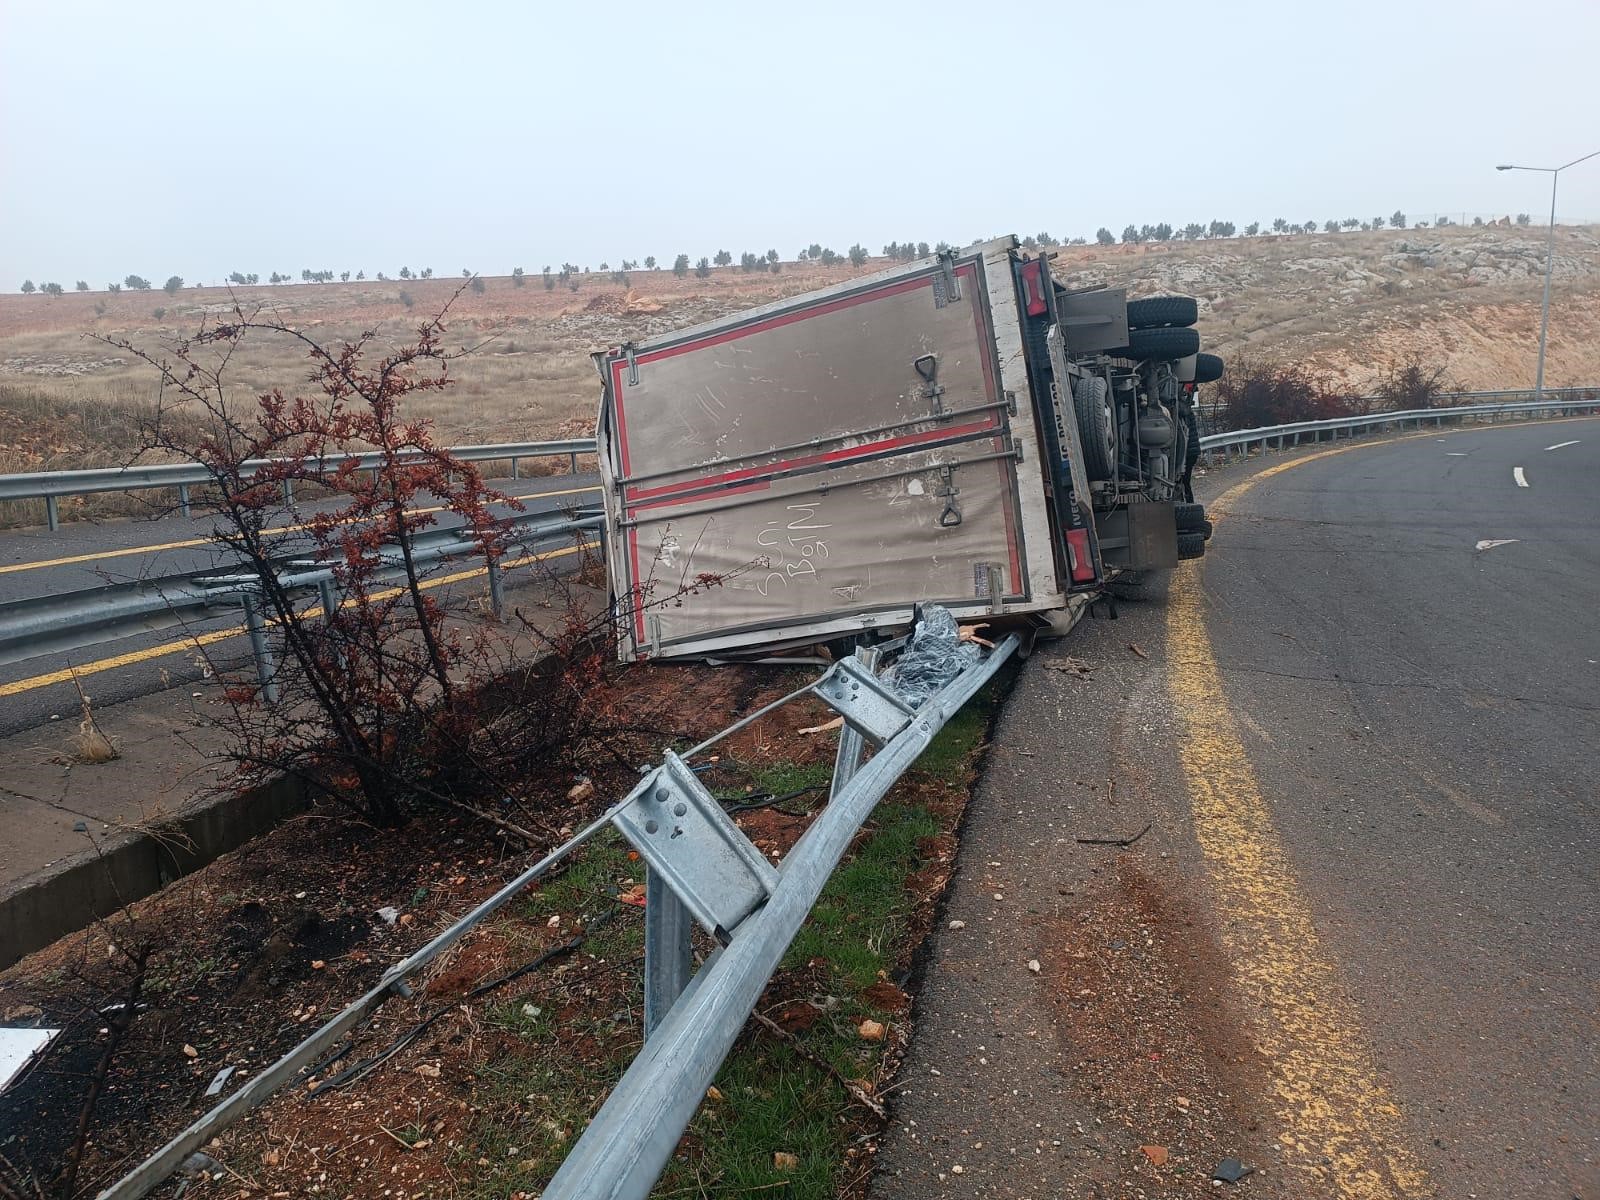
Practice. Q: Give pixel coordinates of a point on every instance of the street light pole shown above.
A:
(1549, 258)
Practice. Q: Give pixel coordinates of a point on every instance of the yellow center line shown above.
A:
(1338, 1122)
(189, 543)
(199, 641)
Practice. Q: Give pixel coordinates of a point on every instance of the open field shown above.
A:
(1353, 303)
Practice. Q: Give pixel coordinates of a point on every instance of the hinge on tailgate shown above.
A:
(946, 287)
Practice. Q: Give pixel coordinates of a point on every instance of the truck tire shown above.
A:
(1157, 311)
(1164, 344)
(1140, 585)
(1096, 429)
(1207, 368)
(1191, 518)
(1191, 545)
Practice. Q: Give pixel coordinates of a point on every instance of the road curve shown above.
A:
(1356, 946)
(1409, 637)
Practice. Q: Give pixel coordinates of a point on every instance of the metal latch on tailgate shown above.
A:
(633, 363)
(948, 491)
(928, 367)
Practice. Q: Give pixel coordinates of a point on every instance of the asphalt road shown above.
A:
(1360, 947)
(38, 562)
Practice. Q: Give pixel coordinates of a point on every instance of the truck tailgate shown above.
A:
(816, 460)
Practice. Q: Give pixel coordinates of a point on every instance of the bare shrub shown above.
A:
(1414, 383)
(392, 700)
(1256, 393)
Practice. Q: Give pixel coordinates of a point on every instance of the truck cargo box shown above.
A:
(825, 463)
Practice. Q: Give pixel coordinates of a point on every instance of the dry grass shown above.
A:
(89, 743)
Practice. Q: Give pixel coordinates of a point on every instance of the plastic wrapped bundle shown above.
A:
(935, 656)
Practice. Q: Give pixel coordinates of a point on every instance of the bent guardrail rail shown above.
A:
(700, 866)
(50, 486)
(69, 621)
(1570, 400)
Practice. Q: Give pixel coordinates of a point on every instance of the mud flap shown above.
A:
(1141, 536)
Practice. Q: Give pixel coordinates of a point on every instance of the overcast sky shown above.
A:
(159, 138)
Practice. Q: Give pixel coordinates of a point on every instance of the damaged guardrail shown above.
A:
(50, 486)
(1577, 400)
(701, 868)
(69, 621)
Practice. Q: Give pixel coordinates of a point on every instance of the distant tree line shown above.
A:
(751, 262)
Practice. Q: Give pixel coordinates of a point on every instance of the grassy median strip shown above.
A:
(785, 1110)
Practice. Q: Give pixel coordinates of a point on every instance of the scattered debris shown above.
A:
(1113, 841)
(782, 1160)
(634, 896)
(219, 1081)
(18, 1046)
(1034, 966)
(714, 1094)
(1134, 646)
(1491, 543)
(189, 1051)
(870, 1030)
(957, 925)
(1072, 666)
(581, 791)
(827, 726)
(1231, 1170)
(428, 1070)
(1156, 1154)
(388, 914)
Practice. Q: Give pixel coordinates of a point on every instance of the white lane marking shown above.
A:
(1491, 543)
(1558, 445)
(1455, 453)
(1516, 473)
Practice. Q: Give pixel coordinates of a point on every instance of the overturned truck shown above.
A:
(964, 430)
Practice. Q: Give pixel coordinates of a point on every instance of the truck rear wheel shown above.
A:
(1096, 430)
(1140, 585)
(1164, 344)
(1157, 311)
(1191, 518)
(1207, 368)
(1191, 545)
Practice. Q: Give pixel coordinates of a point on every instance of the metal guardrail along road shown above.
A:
(701, 867)
(68, 621)
(1570, 400)
(50, 486)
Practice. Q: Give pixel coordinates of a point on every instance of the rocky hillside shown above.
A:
(1354, 303)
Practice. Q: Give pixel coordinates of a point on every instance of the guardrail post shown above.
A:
(516, 472)
(497, 596)
(1295, 440)
(265, 674)
(668, 955)
(330, 601)
(573, 461)
(183, 499)
(288, 492)
(51, 517)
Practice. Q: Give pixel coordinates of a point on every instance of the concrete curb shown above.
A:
(136, 864)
